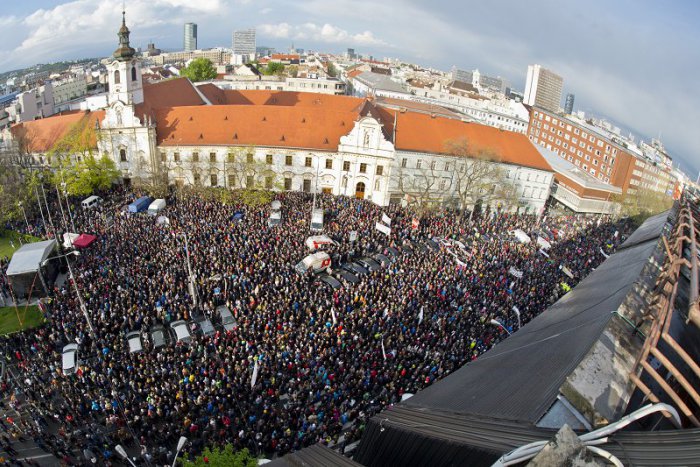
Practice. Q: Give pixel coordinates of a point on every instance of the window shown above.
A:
(287, 160)
(403, 163)
(176, 156)
(380, 170)
(133, 73)
(231, 157)
(287, 183)
(231, 180)
(447, 166)
(307, 186)
(249, 182)
(268, 182)
(329, 163)
(197, 179)
(195, 157)
(268, 159)
(307, 162)
(585, 167)
(346, 166)
(117, 77)
(418, 163)
(122, 155)
(214, 180)
(363, 168)
(443, 184)
(212, 157)
(250, 158)
(163, 157)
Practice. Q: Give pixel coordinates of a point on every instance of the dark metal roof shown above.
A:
(649, 230)
(520, 377)
(314, 456)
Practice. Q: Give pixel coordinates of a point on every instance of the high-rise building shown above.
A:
(569, 104)
(190, 37)
(543, 88)
(244, 42)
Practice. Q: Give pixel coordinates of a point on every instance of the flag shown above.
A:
(386, 219)
(335, 320)
(566, 271)
(543, 243)
(544, 253)
(420, 315)
(383, 352)
(415, 223)
(515, 272)
(516, 311)
(256, 370)
(603, 253)
(383, 228)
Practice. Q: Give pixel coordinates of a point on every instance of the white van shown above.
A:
(91, 202)
(156, 206)
(316, 262)
(317, 220)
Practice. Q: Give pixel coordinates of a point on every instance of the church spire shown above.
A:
(125, 52)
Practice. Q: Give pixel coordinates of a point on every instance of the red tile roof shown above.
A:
(168, 93)
(218, 96)
(42, 134)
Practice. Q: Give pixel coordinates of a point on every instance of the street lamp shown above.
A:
(83, 308)
(495, 322)
(180, 444)
(21, 206)
(120, 450)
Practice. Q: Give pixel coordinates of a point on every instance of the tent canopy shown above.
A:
(29, 257)
(84, 240)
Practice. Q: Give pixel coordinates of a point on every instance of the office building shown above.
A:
(190, 37)
(244, 42)
(569, 104)
(543, 88)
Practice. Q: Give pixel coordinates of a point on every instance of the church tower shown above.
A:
(125, 82)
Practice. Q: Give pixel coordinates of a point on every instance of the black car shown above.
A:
(419, 246)
(369, 263)
(347, 275)
(355, 268)
(392, 251)
(382, 259)
(432, 244)
(329, 280)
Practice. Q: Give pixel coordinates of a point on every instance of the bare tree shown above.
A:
(423, 187)
(479, 176)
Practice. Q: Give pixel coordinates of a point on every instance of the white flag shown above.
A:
(335, 321)
(420, 315)
(386, 219)
(603, 253)
(566, 271)
(543, 243)
(544, 253)
(383, 352)
(256, 369)
(383, 228)
(515, 272)
(516, 310)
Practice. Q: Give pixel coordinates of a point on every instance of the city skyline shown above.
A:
(630, 65)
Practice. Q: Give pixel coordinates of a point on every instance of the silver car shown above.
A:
(70, 359)
(134, 340)
(182, 332)
(227, 319)
(158, 336)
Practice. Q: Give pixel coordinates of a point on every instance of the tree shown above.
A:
(643, 203)
(423, 188)
(254, 178)
(199, 69)
(88, 176)
(274, 68)
(293, 71)
(479, 176)
(219, 457)
(332, 70)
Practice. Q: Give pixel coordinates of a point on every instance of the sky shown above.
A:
(632, 61)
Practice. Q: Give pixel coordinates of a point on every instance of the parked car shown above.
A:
(205, 326)
(70, 359)
(227, 319)
(347, 275)
(182, 332)
(382, 259)
(354, 268)
(159, 336)
(134, 340)
(369, 263)
(391, 251)
(330, 281)
(432, 244)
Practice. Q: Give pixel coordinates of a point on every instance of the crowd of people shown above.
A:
(304, 363)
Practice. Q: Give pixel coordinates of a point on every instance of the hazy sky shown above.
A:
(634, 61)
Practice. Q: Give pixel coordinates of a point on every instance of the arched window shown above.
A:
(122, 155)
(133, 73)
(117, 77)
(360, 190)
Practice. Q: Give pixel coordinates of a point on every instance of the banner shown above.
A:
(521, 236)
(543, 243)
(352, 235)
(515, 272)
(420, 316)
(386, 219)
(383, 228)
(603, 253)
(566, 271)
(415, 223)
(256, 370)
(335, 320)
(544, 253)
